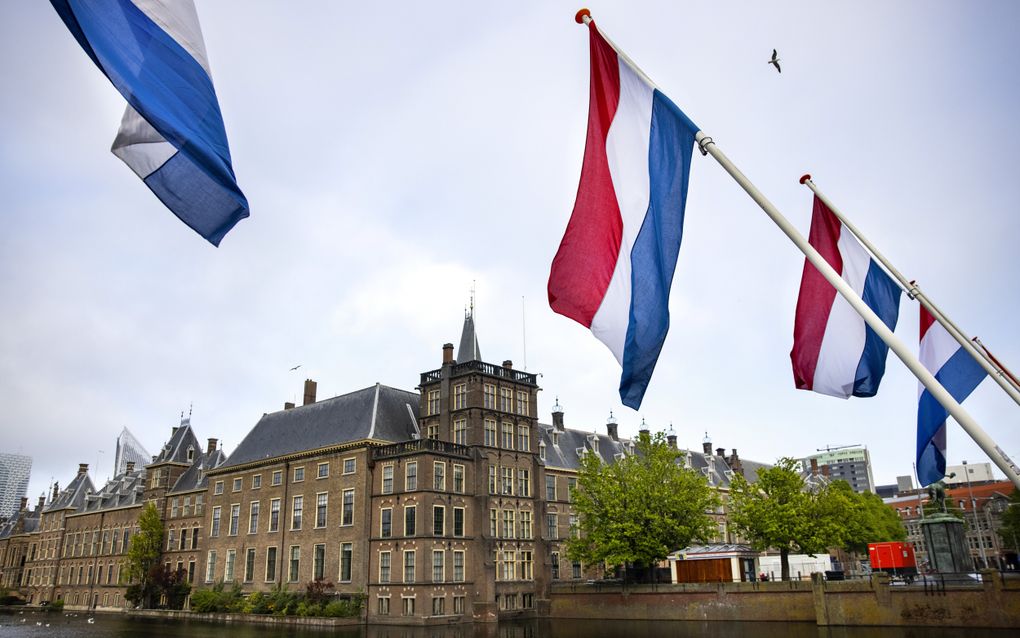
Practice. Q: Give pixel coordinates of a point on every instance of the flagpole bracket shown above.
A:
(913, 291)
(703, 144)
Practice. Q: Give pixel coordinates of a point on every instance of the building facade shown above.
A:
(850, 464)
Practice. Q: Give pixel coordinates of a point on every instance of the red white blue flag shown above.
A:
(834, 351)
(959, 374)
(614, 267)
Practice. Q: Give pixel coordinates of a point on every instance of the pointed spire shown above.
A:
(468, 350)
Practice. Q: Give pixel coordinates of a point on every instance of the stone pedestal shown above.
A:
(947, 545)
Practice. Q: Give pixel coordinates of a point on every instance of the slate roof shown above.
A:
(714, 550)
(176, 449)
(194, 478)
(121, 491)
(379, 412)
(468, 350)
(72, 496)
(21, 522)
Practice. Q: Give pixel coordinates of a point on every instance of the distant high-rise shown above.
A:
(129, 449)
(15, 470)
(850, 464)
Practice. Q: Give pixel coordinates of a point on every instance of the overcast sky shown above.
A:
(393, 154)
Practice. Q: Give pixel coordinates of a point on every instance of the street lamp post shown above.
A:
(977, 523)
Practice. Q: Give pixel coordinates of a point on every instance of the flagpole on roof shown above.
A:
(708, 147)
(991, 365)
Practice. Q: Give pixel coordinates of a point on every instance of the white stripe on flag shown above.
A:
(937, 347)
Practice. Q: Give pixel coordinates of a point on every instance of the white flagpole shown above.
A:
(994, 452)
(913, 291)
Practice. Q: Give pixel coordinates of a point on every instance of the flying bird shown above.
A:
(775, 61)
(295, 367)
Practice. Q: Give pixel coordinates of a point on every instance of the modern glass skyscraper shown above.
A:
(15, 470)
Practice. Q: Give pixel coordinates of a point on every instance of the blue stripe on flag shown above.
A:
(174, 94)
(882, 295)
(657, 246)
(959, 376)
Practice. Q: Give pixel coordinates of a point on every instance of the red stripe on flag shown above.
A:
(926, 322)
(587, 255)
(816, 296)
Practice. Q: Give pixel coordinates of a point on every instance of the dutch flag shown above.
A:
(834, 351)
(959, 374)
(172, 134)
(613, 270)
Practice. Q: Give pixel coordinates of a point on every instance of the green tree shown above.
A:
(639, 508)
(864, 518)
(1010, 527)
(778, 511)
(143, 558)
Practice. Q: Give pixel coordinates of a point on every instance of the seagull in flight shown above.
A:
(295, 367)
(775, 61)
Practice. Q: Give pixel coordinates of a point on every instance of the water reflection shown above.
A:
(42, 625)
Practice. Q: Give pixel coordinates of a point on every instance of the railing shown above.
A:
(490, 369)
(418, 446)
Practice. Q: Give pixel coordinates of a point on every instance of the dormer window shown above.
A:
(191, 454)
(556, 438)
(541, 450)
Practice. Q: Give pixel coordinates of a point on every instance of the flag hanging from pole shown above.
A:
(615, 264)
(959, 374)
(172, 134)
(834, 351)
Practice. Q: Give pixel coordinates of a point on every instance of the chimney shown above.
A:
(83, 468)
(671, 440)
(735, 463)
(211, 447)
(129, 467)
(720, 451)
(447, 353)
(644, 433)
(289, 405)
(42, 501)
(825, 471)
(309, 392)
(814, 467)
(508, 364)
(56, 490)
(24, 503)
(613, 429)
(706, 445)
(557, 414)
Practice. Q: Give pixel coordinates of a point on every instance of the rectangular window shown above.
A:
(490, 433)
(278, 477)
(235, 515)
(170, 538)
(571, 486)
(409, 566)
(550, 487)
(552, 531)
(493, 523)
(437, 566)
(384, 606)
(432, 431)
(384, 567)
(387, 479)
(458, 605)
(509, 565)
(173, 508)
(321, 503)
(458, 521)
(322, 470)
(507, 483)
(249, 565)
(191, 572)
(460, 432)
(493, 489)
(299, 474)
(199, 500)
(527, 566)
(210, 566)
(438, 606)
(274, 515)
(237, 485)
(295, 563)
(458, 566)
(253, 517)
(575, 570)
(458, 479)
(433, 403)
(411, 476)
(489, 392)
(218, 487)
(318, 562)
(408, 604)
(506, 399)
(194, 538)
(228, 567)
(508, 436)
(409, 520)
(270, 564)
(439, 476)
(508, 524)
(184, 538)
(555, 559)
(438, 520)
(460, 396)
(386, 522)
(347, 515)
(523, 438)
(523, 483)
(575, 531)
(350, 465)
(346, 561)
(214, 529)
(256, 483)
(295, 512)
(526, 525)
(522, 402)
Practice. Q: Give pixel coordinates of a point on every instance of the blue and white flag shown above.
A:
(172, 133)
